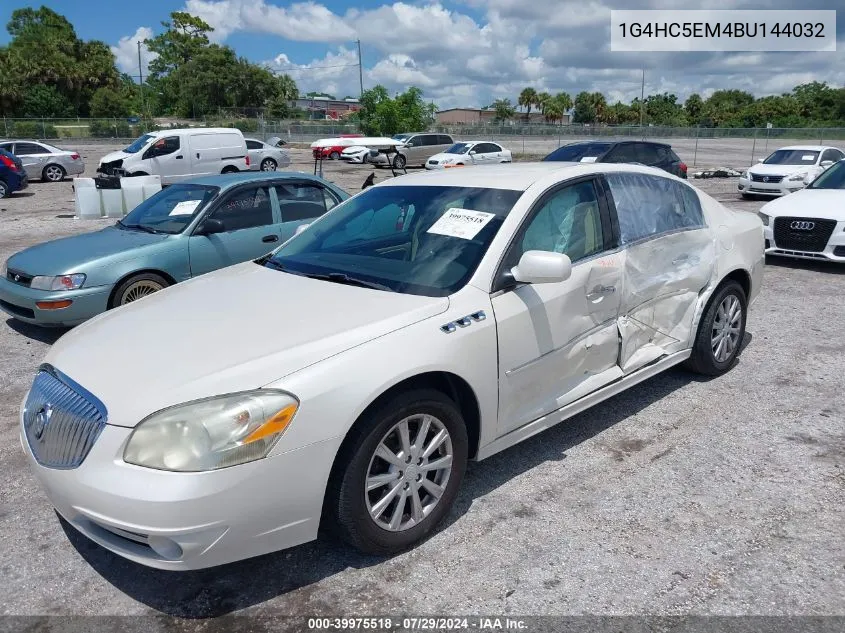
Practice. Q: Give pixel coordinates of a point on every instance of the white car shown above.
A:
(809, 224)
(266, 156)
(470, 153)
(787, 169)
(346, 378)
(356, 154)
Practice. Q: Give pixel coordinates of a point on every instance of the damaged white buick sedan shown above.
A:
(346, 379)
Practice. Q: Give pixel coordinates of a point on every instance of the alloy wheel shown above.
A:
(139, 290)
(724, 338)
(408, 472)
(268, 164)
(54, 173)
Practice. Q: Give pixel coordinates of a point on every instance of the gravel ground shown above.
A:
(680, 496)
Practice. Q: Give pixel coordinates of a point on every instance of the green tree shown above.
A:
(504, 109)
(664, 109)
(564, 101)
(724, 108)
(584, 108)
(45, 101)
(543, 100)
(694, 108)
(527, 98)
(382, 115)
(110, 103)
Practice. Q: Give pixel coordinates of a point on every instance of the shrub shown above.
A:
(34, 129)
(110, 129)
(247, 125)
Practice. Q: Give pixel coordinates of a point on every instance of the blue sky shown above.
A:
(459, 52)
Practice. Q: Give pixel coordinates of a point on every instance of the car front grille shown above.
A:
(433, 162)
(61, 420)
(803, 234)
(769, 179)
(17, 277)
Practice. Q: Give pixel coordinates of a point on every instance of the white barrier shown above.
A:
(92, 203)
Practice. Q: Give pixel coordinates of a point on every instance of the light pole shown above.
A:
(360, 69)
(642, 100)
(141, 80)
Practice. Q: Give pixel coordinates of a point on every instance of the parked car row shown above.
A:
(343, 374)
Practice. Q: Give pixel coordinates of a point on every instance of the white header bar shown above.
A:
(741, 30)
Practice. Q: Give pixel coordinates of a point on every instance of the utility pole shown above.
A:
(141, 80)
(642, 100)
(360, 69)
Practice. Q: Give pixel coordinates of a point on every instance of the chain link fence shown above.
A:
(697, 146)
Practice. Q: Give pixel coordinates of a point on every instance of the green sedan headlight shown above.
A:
(212, 433)
(61, 282)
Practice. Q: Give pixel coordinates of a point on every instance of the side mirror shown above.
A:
(542, 267)
(210, 226)
(825, 164)
(301, 228)
(760, 160)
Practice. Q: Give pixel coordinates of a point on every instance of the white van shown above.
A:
(179, 154)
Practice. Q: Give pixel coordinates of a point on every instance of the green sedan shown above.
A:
(187, 229)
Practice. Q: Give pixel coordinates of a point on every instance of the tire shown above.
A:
(704, 359)
(268, 164)
(4, 189)
(138, 173)
(53, 173)
(137, 287)
(230, 170)
(746, 196)
(399, 161)
(334, 155)
(350, 507)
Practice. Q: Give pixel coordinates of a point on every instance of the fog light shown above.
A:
(165, 547)
(54, 305)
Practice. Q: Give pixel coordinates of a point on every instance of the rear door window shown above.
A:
(246, 208)
(623, 153)
(253, 145)
(29, 149)
(302, 201)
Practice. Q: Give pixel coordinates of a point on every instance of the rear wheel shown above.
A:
(720, 332)
(4, 189)
(53, 173)
(334, 155)
(230, 170)
(398, 472)
(399, 161)
(268, 164)
(137, 287)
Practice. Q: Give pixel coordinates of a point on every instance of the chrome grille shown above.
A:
(17, 277)
(763, 178)
(61, 420)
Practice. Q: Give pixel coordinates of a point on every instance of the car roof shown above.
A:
(195, 130)
(602, 141)
(808, 148)
(226, 181)
(514, 176)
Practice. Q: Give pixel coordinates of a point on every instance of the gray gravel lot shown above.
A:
(680, 496)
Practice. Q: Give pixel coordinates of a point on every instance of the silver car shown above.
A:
(42, 161)
(415, 149)
(266, 156)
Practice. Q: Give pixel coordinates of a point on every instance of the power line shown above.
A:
(287, 70)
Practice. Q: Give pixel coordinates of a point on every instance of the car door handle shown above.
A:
(178, 158)
(198, 154)
(600, 291)
(270, 238)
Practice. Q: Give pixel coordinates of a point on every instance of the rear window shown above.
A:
(579, 152)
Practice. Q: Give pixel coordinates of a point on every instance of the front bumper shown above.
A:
(774, 189)
(834, 251)
(183, 521)
(357, 159)
(20, 302)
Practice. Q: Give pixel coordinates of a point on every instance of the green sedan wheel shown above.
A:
(137, 287)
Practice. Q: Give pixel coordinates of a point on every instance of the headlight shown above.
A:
(747, 175)
(212, 433)
(62, 282)
(763, 217)
(800, 176)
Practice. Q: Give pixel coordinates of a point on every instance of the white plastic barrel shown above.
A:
(86, 199)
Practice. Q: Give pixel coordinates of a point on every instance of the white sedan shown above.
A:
(470, 153)
(809, 224)
(346, 378)
(787, 170)
(356, 154)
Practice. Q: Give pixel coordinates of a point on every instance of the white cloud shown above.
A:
(126, 52)
(336, 73)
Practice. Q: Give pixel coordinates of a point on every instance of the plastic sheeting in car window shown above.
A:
(649, 205)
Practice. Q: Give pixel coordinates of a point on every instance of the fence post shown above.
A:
(43, 130)
(753, 146)
(695, 152)
(821, 134)
(5, 127)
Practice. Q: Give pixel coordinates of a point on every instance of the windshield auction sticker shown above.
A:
(186, 207)
(463, 223)
(722, 30)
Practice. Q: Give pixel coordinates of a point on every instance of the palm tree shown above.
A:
(599, 104)
(527, 98)
(504, 109)
(542, 101)
(554, 111)
(564, 101)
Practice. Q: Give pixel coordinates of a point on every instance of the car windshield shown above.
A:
(458, 148)
(401, 137)
(422, 240)
(832, 178)
(139, 144)
(577, 152)
(792, 157)
(170, 210)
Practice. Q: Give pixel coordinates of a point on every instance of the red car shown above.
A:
(334, 151)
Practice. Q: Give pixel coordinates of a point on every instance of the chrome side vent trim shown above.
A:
(463, 322)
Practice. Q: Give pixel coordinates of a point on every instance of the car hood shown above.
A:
(443, 155)
(355, 149)
(810, 203)
(778, 170)
(113, 156)
(73, 254)
(235, 329)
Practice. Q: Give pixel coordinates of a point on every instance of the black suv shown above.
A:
(642, 152)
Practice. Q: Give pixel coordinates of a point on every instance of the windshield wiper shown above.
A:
(140, 227)
(269, 262)
(343, 278)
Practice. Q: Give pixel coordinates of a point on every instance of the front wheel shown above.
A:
(334, 155)
(720, 332)
(268, 164)
(4, 189)
(399, 161)
(398, 473)
(137, 287)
